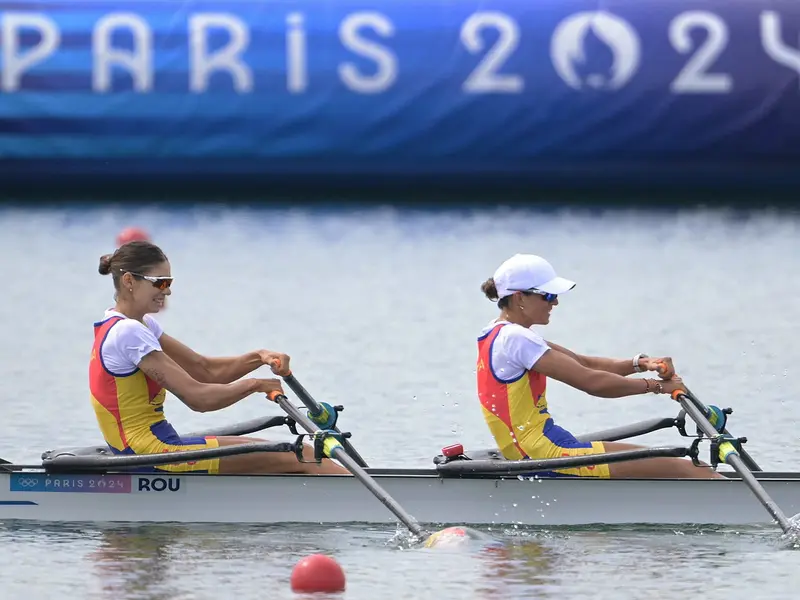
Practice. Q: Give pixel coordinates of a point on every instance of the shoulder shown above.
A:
(514, 333)
(127, 342)
(488, 328)
(129, 328)
(521, 346)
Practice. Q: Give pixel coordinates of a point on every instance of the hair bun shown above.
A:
(490, 289)
(105, 264)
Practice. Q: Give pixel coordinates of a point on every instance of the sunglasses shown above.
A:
(160, 283)
(546, 295)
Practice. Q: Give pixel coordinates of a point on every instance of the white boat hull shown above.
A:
(430, 498)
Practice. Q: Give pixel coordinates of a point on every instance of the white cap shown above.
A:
(523, 272)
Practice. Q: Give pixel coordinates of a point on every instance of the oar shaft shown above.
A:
(315, 409)
(737, 463)
(340, 454)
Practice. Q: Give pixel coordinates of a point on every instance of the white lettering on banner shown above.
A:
(139, 61)
(772, 41)
(15, 63)
(385, 58)
(296, 54)
(567, 49)
(588, 50)
(202, 64)
(694, 78)
(485, 78)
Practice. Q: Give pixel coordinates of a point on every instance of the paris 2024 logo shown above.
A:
(608, 35)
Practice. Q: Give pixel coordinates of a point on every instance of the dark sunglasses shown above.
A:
(546, 295)
(160, 283)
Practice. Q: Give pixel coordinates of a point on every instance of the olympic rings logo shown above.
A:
(27, 482)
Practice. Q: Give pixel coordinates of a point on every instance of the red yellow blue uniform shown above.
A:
(130, 411)
(516, 412)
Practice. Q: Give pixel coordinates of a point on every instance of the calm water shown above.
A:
(379, 310)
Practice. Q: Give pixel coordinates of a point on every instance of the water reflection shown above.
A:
(138, 562)
(517, 565)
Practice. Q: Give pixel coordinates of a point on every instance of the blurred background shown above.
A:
(415, 99)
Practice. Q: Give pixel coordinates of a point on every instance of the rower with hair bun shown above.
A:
(134, 362)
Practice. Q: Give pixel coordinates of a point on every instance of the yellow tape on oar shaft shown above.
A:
(330, 445)
(727, 449)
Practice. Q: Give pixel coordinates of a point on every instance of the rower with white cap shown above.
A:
(514, 363)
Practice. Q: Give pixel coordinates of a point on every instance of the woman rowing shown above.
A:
(134, 363)
(514, 364)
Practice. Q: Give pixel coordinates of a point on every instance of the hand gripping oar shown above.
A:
(323, 415)
(712, 417)
(729, 454)
(335, 449)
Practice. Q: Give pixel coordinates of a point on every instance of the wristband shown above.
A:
(658, 388)
(636, 367)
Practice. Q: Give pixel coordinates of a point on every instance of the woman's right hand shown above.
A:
(267, 386)
(670, 385)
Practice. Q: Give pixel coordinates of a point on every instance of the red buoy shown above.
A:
(317, 573)
(132, 234)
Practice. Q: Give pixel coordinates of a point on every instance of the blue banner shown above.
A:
(512, 88)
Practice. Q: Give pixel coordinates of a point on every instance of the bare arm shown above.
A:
(200, 397)
(612, 365)
(207, 369)
(604, 384)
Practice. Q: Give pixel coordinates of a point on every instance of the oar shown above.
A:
(730, 455)
(320, 414)
(335, 449)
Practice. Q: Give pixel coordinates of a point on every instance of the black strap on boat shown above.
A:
(503, 467)
(99, 463)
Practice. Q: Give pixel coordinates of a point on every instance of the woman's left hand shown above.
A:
(663, 366)
(277, 361)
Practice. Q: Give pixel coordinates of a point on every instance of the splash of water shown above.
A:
(402, 539)
(792, 537)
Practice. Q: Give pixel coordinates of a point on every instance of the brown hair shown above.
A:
(133, 257)
(489, 288)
